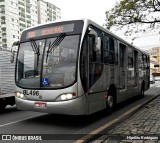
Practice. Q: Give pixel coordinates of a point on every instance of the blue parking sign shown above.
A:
(45, 82)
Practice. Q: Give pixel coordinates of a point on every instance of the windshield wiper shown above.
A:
(35, 49)
(55, 44)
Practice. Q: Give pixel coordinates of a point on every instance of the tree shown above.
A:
(137, 16)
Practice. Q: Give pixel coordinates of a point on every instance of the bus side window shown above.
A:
(145, 61)
(130, 57)
(116, 51)
(121, 54)
(140, 61)
(106, 47)
(109, 50)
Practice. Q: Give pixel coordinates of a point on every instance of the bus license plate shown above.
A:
(40, 105)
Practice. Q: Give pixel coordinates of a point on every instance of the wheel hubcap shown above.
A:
(110, 101)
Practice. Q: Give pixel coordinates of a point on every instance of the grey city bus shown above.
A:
(77, 68)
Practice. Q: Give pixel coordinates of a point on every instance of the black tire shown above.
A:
(110, 102)
(142, 91)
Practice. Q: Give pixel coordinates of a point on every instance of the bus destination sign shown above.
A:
(50, 31)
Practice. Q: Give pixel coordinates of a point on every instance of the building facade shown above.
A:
(154, 60)
(47, 12)
(15, 16)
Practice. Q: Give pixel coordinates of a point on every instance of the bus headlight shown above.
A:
(63, 97)
(20, 95)
(66, 96)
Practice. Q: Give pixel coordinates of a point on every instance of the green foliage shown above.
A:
(136, 15)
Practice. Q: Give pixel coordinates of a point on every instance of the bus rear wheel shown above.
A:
(110, 102)
(142, 91)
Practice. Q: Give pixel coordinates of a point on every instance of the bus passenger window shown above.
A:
(111, 44)
(116, 51)
(106, 52)
(130, 57)
(121, 54)
(109, 53)
(140, 61)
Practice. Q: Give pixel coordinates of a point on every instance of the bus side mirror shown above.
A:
(97, 44)
(16, 43)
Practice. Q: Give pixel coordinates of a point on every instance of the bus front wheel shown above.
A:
(110, 102)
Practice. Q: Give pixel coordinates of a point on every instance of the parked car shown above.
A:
(152, 79)
(157, 78)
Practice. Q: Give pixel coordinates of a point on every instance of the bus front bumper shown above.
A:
(77, 106)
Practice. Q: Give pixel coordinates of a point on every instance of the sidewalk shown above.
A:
(141, 127)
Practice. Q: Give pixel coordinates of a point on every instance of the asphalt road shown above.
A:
(63, 127)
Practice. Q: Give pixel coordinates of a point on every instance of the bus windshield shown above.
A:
(47, 63)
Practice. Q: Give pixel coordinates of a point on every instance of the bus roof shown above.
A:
(88, 22)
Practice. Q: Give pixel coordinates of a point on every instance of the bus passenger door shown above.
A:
(122, 71)
(95, 79)
(135, 71)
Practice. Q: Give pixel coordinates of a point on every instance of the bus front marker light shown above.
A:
(74, 94)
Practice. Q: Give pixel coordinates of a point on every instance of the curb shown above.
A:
(100, 131)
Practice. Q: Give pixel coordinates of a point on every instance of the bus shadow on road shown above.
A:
(79, 121)
(128, 102)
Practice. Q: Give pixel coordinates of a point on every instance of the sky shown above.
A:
(95, 10)
(77, 9)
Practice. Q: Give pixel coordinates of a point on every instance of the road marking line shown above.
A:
(100, 129)
(20, 120)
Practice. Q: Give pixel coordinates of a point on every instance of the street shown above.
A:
(64, 128)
